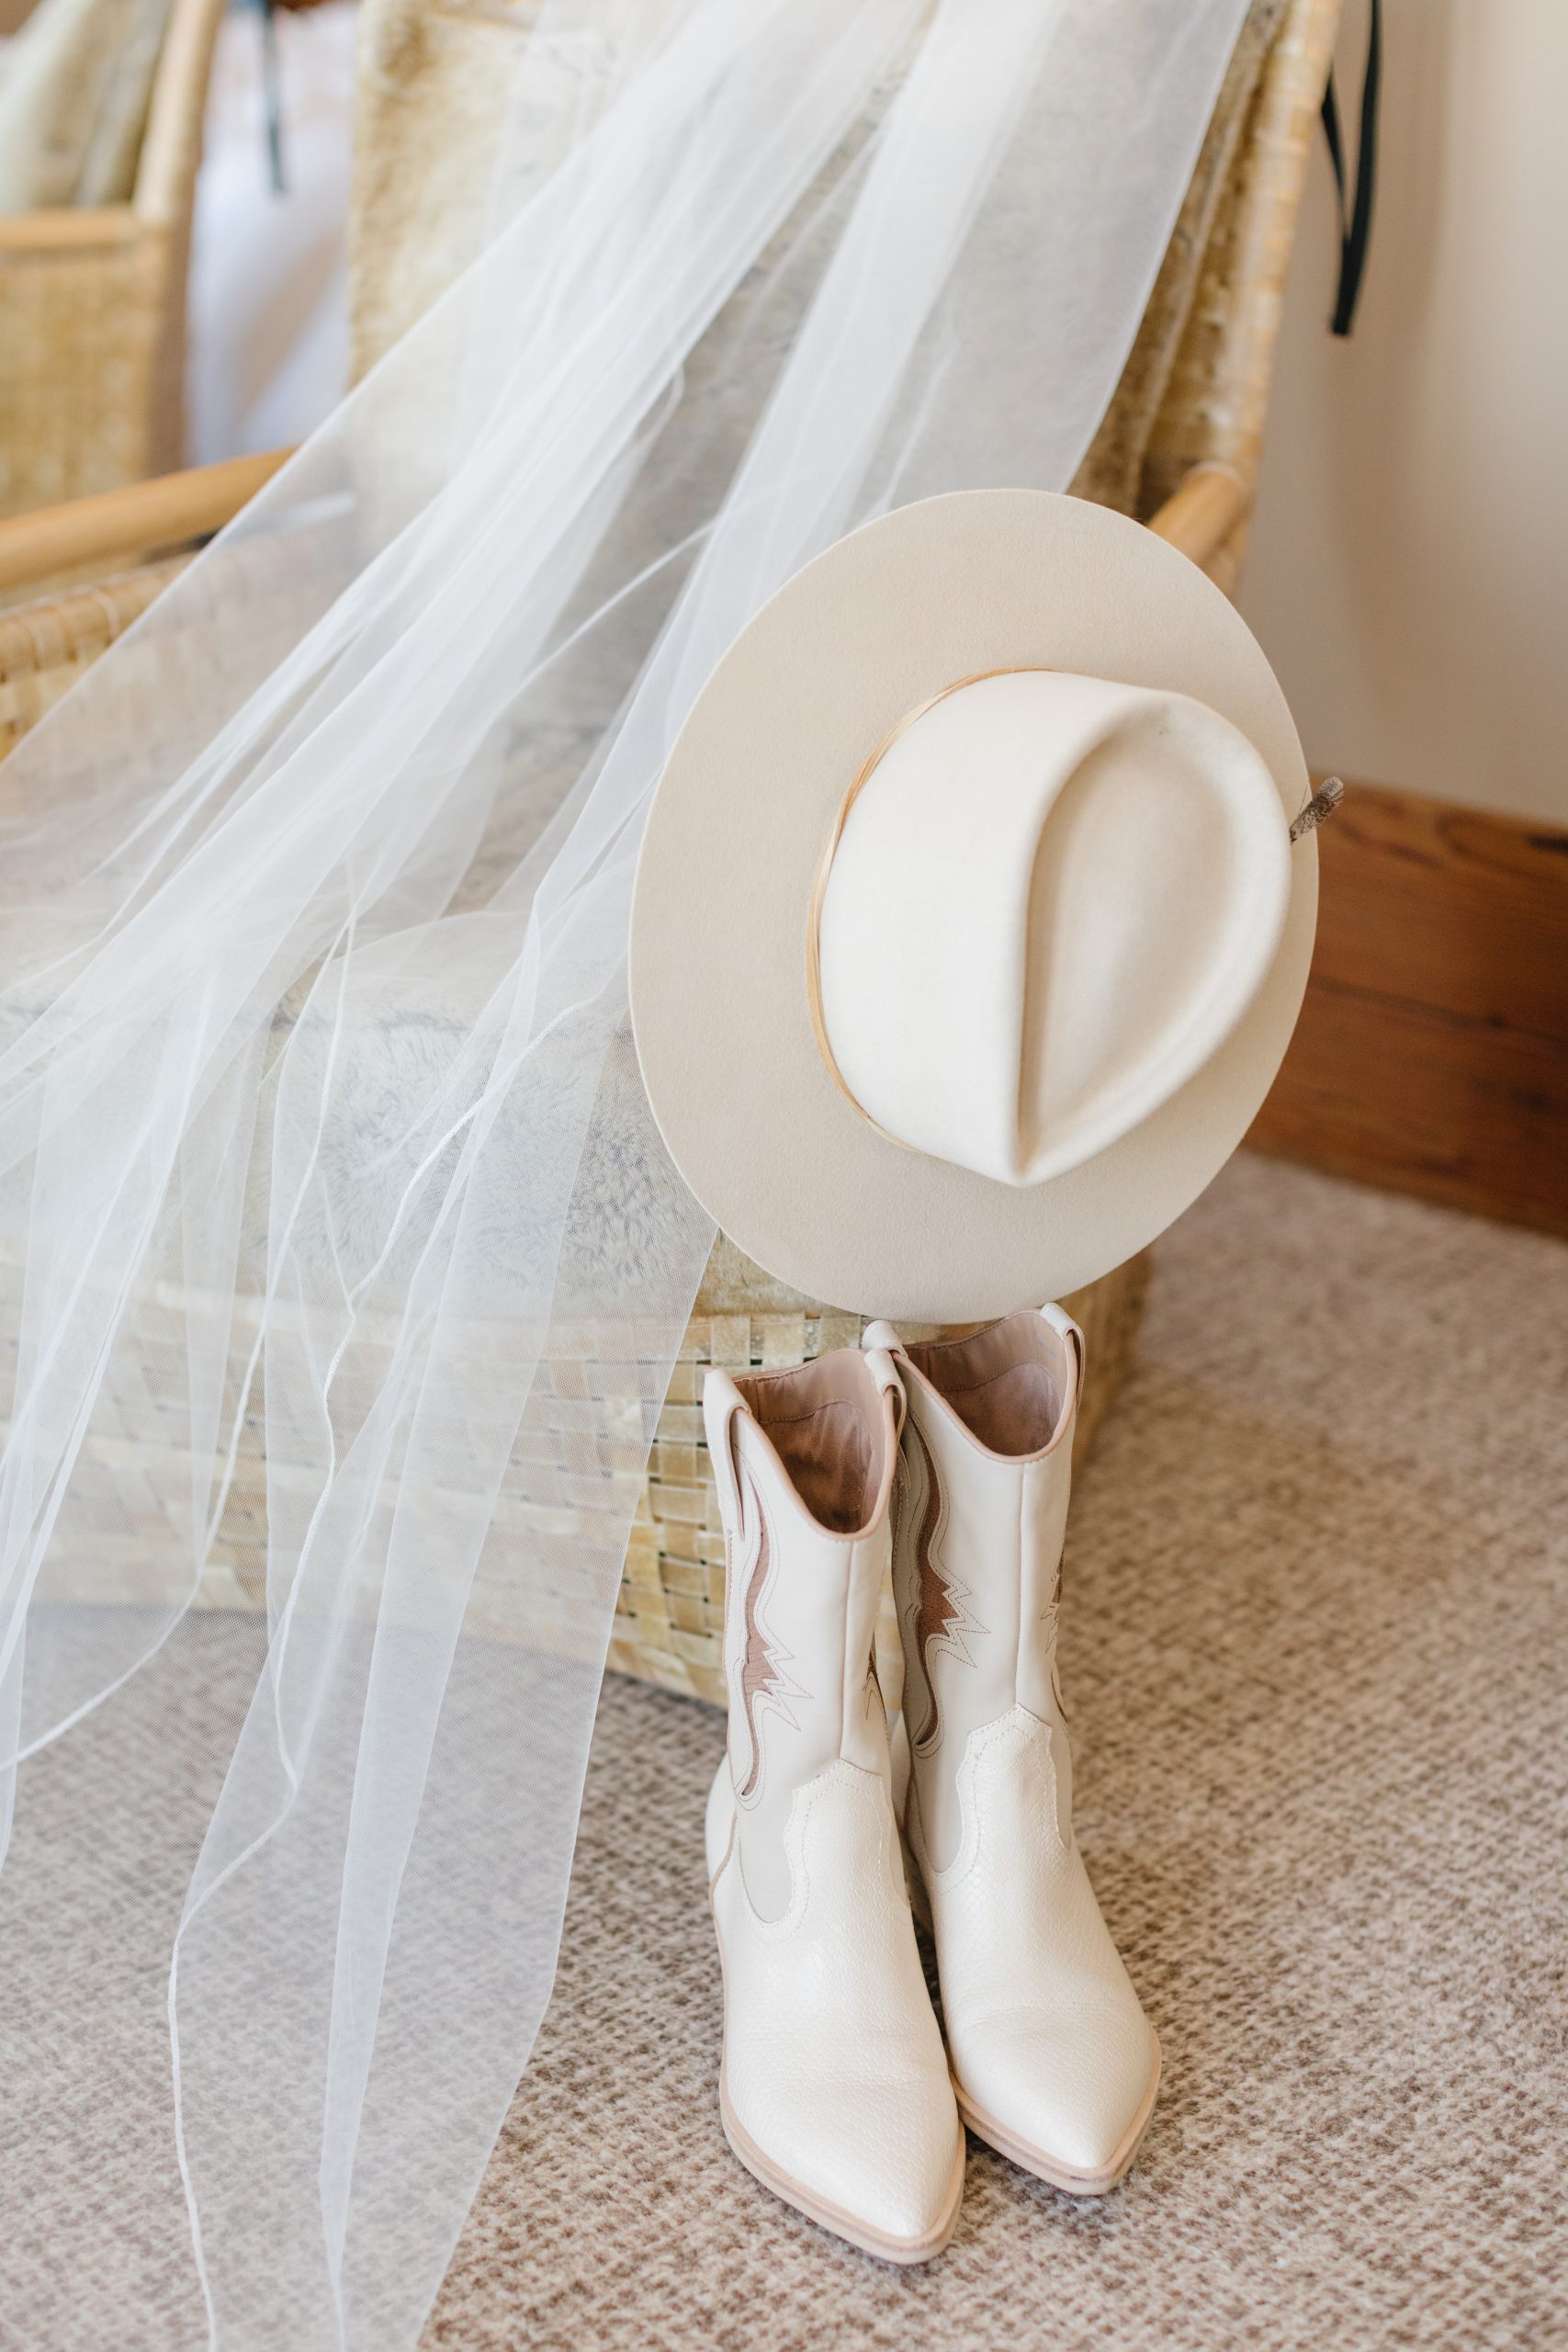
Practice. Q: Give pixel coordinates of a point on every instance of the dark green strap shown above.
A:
(1355, 229)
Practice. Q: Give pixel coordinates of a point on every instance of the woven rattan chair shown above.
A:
(91, 306)
(1180, 447)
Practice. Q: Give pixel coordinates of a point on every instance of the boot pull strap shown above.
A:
(1061, 1323)
(879, 1362)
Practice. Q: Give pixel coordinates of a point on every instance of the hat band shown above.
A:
(825, 867)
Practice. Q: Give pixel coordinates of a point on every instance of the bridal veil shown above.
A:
(317, 1099)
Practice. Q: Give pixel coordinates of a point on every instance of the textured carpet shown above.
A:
(94, 2249)
(1315, 1648)
(1316, 1651)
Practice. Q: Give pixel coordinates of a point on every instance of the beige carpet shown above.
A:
(1316, 1649)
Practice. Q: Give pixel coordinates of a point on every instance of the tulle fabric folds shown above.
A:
(321, 1129)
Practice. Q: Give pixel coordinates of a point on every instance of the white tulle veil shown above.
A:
(317, 1099)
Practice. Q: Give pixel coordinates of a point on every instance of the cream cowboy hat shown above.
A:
(984, 827)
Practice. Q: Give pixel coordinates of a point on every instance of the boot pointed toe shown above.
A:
(878, 2162)
(1067, 2095)
(835, 2091)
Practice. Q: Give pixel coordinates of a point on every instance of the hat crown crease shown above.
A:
(1010, 971)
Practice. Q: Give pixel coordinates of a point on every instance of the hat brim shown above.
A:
(975, 580)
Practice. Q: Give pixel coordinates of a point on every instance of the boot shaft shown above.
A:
(979, 1519)
(803, 1461)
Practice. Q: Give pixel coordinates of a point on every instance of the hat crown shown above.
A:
(1049, 900)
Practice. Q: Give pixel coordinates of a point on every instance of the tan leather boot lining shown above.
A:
(827, 1422)
(1007, 1384)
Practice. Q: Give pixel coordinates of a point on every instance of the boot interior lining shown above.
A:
(825, 1422)
(1007, 1384)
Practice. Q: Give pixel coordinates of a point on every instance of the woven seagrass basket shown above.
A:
(1193, 394)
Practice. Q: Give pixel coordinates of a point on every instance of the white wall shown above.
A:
(1408, 571)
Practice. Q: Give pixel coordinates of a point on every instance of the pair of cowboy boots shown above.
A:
(952, 1462)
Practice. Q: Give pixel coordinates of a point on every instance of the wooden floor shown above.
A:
(1432, 1052)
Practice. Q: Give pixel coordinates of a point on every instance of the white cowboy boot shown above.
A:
(834, 2087)
(1053, 2060)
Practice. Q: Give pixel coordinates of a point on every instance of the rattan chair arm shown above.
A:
(1200, 517)
(64, 228)
(175, 508)
(166, 512)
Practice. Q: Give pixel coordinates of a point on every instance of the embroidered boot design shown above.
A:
(935, 1604)
(764, 1683)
